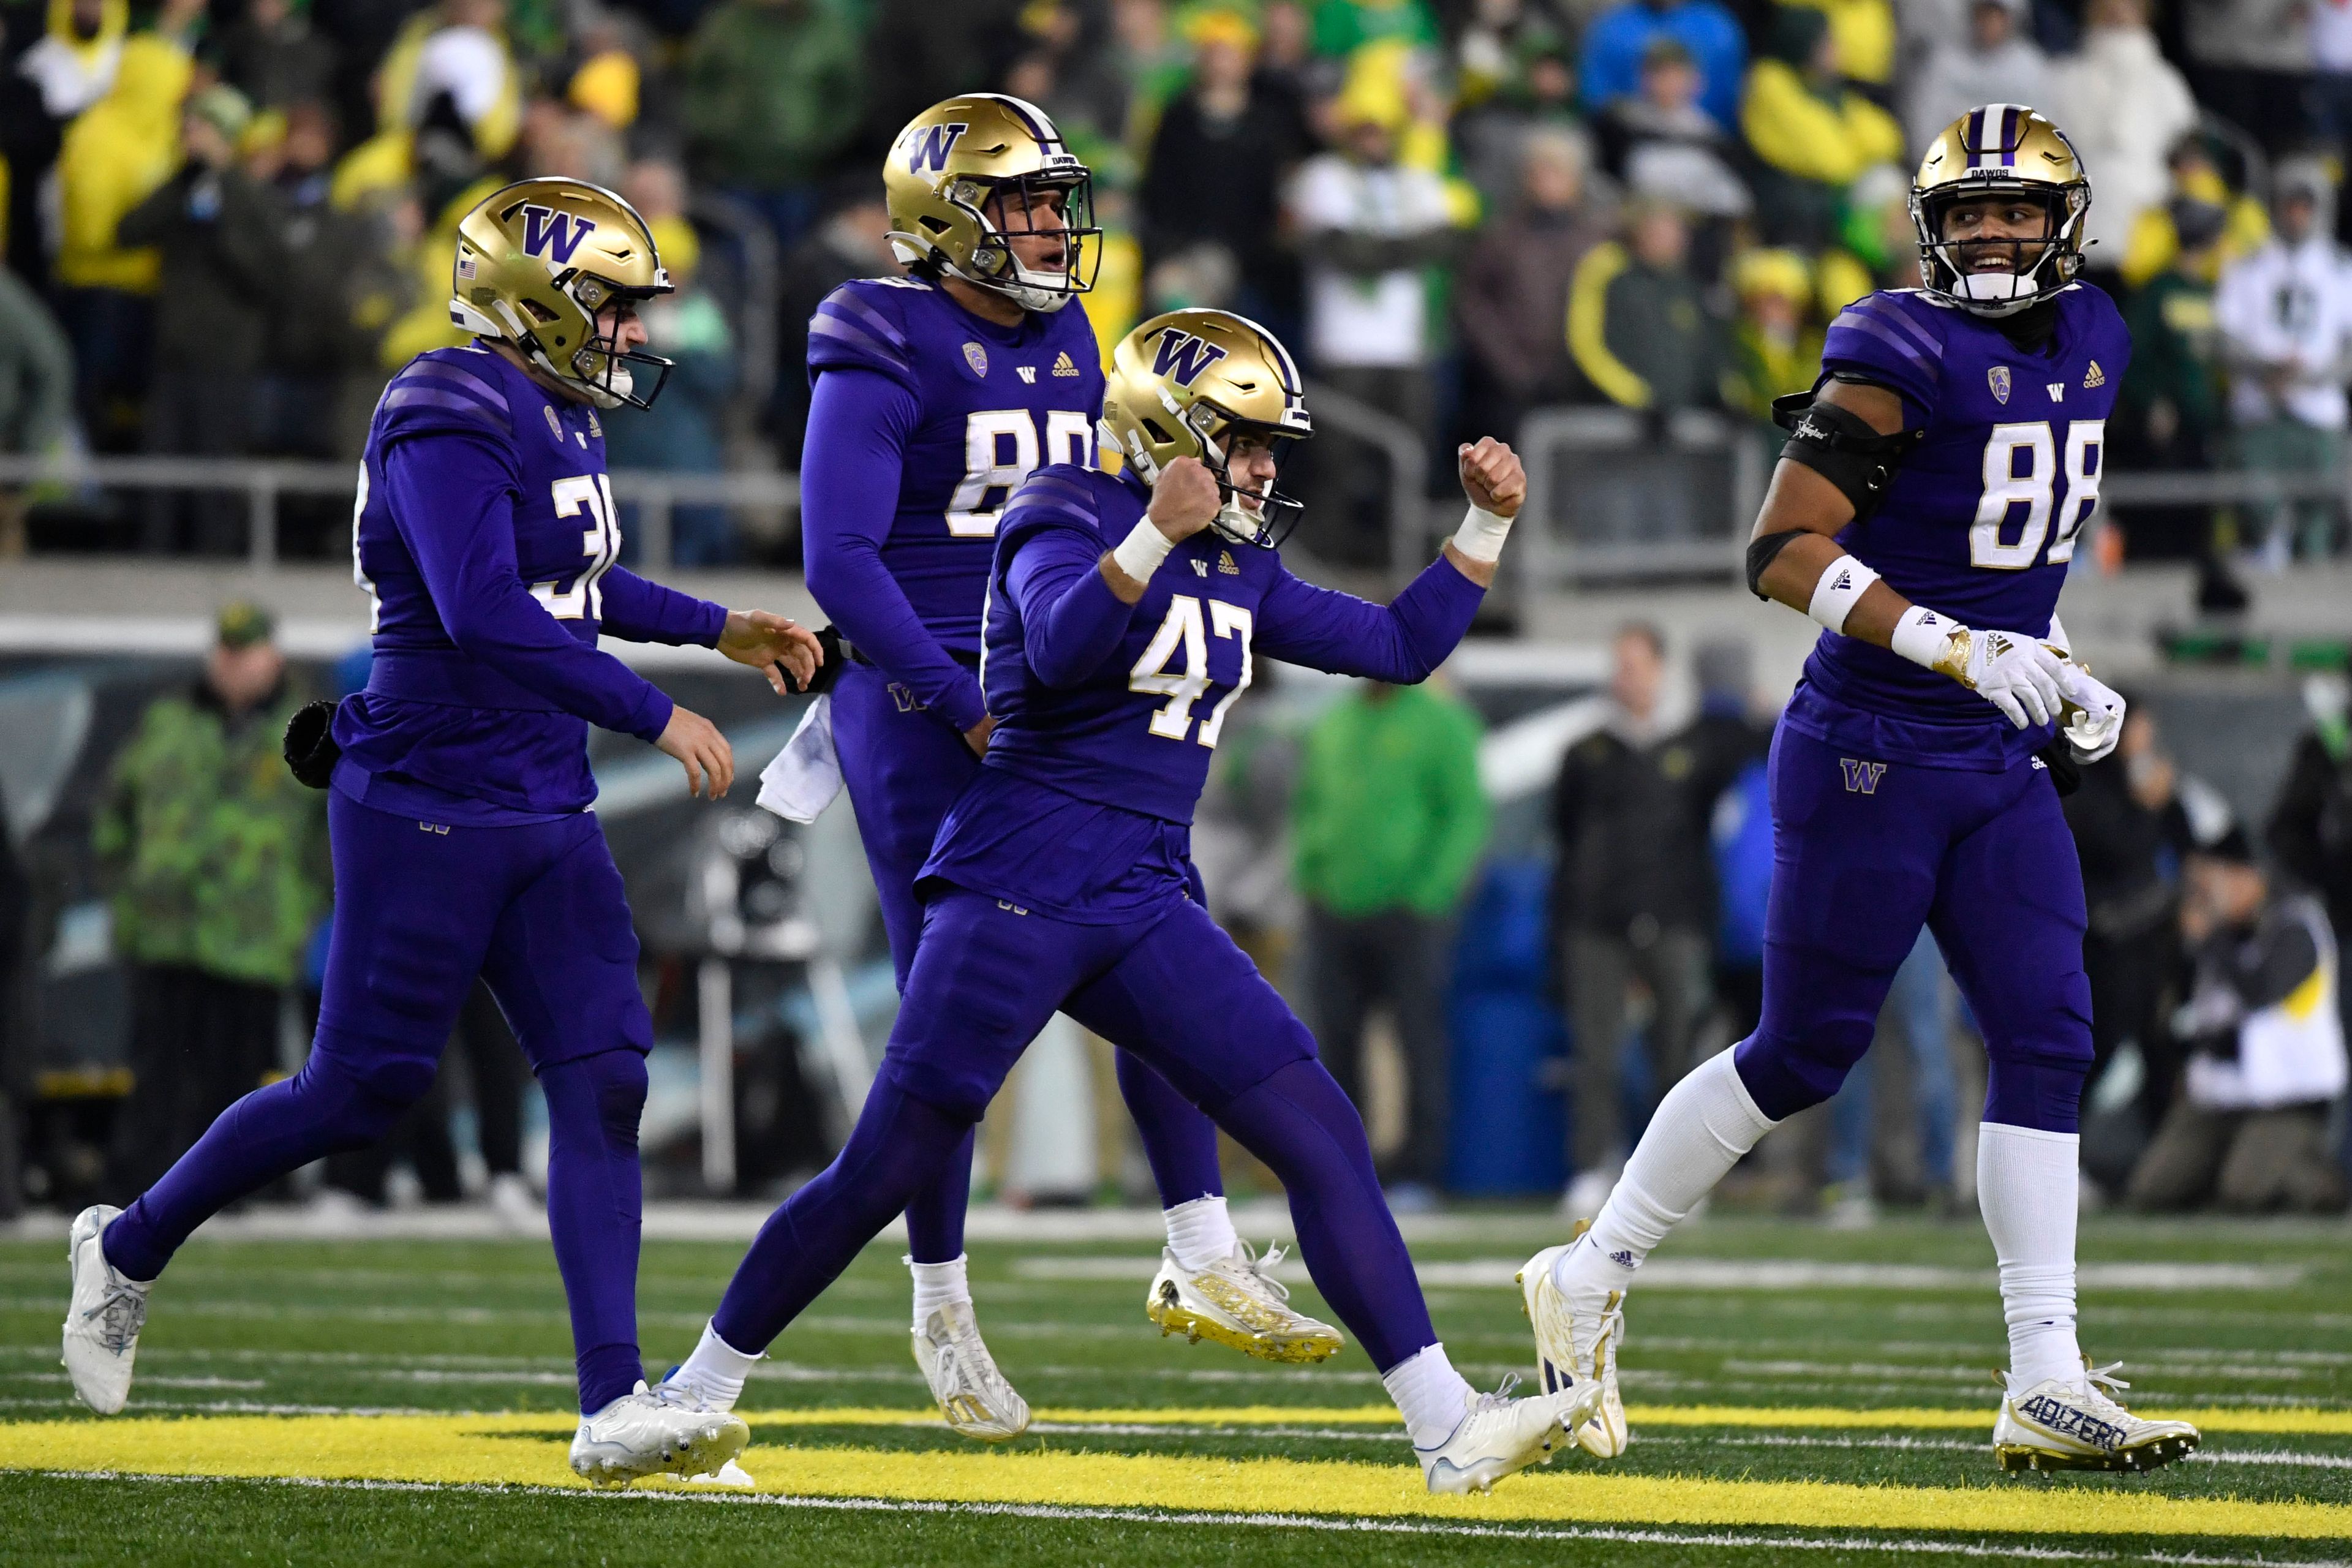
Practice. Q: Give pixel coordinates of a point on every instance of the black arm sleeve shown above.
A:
(1842, 447)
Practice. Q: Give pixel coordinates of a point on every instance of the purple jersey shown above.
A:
(985, 405)
(1981, 520)
(1116, 708)
(485, 535)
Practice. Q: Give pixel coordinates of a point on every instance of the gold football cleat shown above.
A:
(1237, 1301)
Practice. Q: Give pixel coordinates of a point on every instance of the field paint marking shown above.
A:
(2281, 1457)
(522, 1449)
(1754, 1274)
(1742, 1541)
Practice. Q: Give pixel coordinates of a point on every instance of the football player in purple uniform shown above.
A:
(933, 397)
(1124, 614)
(1924, 511)
(486, 537)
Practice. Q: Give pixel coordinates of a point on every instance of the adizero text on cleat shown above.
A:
(1499, 1436)
(1576, 1346)
(654, 1432)
(1237, 1301)
(2058, 1425)
(103, 1316)
(972, 1395)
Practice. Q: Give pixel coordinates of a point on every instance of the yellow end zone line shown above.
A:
(491, 1450)
(2303, 1421)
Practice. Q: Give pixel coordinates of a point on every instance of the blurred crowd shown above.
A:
(227, 221)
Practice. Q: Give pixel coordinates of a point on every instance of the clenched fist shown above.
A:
(1184, 498)
(1493, 478)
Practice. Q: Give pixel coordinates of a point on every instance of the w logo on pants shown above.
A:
(1861, 777)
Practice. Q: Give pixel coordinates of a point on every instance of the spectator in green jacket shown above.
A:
(773, 92)
(1389, 820)
(216, 859)
(1638, 326)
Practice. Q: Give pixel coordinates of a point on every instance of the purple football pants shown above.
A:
(904, 769)
(1170, 987)
(421, 911)
(1865, 853)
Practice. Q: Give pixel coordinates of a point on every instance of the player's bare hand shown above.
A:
(1493, 478)
(977, 736)
(773, 645)
(1184, 498)
(701, 749)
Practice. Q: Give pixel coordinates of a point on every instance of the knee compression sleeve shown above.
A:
(1301, 1124)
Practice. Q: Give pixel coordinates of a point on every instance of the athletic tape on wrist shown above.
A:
(1921, 634)
(1141, 552)
(1842, 584)
(1481, 535)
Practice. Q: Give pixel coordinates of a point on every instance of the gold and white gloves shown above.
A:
(2093, 717)
(2017, 674)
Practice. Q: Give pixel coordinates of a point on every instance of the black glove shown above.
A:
(2065, 772)
(310, 748)
(829, 638)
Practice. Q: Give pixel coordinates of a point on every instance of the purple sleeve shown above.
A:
(1070, 620)
(859, 422)
(1400, 643)
(452, 497)
(1876, 340)
(639, 610)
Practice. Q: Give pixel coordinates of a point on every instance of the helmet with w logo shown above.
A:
(539, 262)
(969, 176)
(1192, 383)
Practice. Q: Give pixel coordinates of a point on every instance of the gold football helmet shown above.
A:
(1185, 385)
(947, 179)
(2001, 150)
(537, 261)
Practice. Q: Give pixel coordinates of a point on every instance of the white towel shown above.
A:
(806, 774)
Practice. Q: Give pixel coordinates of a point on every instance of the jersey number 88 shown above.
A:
(2036, 489)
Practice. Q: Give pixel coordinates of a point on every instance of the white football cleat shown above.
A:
(972, 1395)
(653, 1432)
(103, 1321)
(1236, 1302)
(1576, 1349)
(1498, 1435)
(2055, 1425)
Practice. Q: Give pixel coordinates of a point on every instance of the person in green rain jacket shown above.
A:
(216, 858)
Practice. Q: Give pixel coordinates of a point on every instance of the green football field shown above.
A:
(1800, 1396)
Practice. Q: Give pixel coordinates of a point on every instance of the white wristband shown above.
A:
(1842, 584)
(1141, 553)
(1920, 635)
(1481, 535)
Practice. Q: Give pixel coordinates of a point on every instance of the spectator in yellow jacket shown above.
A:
(1863, 31)
(114, 156)
(1812, 134)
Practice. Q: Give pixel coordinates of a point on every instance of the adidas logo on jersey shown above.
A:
(1063, 365)
(2094, 377)
(1225, 563)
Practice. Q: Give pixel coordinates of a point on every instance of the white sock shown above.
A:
(1431, 1396)
(2026, 1183)
(1702, 1128)
(937, 1285)
(1200, 1233)
(716, 1370)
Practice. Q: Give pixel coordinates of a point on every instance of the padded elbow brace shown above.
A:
(1842, 447)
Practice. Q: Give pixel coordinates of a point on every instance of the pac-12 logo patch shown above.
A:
(976, 357)
(1861, 777)
(1998, 379)
(1182, 357)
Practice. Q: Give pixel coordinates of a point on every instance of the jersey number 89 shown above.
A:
(2036, 489)
(1000, 449)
